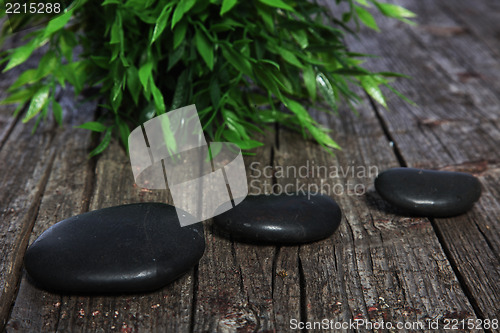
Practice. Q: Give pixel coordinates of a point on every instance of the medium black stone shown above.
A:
(428, 192)
(129, 248)
(281, 219)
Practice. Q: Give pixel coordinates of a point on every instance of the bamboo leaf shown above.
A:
(277, 4)
(371, 86)
(93, 126)
(104, 143)
(227, 5)
(161, 23)
(204, 48)
(38, 101)
(366, 18)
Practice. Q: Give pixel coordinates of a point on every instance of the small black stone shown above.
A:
(282, 219)
(129, 248)
(428, 192)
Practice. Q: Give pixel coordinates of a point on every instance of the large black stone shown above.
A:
(281, 219)
(427, 192)
(129, 248)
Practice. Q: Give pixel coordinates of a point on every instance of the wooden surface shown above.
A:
(380, 265)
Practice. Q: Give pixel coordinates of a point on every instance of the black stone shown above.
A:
(129, 248)
(428, 192)
(281, 219)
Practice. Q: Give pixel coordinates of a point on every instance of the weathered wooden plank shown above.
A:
(168, 309)
(455, 127)
(380, 265)
(234, 288)
(25, 164)
(65, 195)
(479, 18)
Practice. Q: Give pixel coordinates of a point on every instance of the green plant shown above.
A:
(238, 61)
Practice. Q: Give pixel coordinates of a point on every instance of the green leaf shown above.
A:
(318, 134)
(227, 5)
(124, 131)
(180, 33)
(27, 77)
(146, 75)
(395, 11)
(115, 31)
(57, 23)
(205, 48)
(366, 18)
(215, 93)
(22, 53)
(277, 4)
(301, 37)
(93, 126)
(161, 23)
(232, 136)
(133, 83)
(322, 137)
(371, 86)
(363, 2)
(158, 98)
(174, 57)
(289, 57)
(309, 76)
(181, 90)
(104, 143)
(58, 112)
(19, 96)
(67, 43)
(182, 7)
(38, 101)
(326, 89)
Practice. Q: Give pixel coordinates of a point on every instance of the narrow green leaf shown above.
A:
(115, 31)
(205, 48)
(289, 57)
(145, 75)
(366, 18)
(175, 56)
(21, 54)
(57, 23)
(124, 131)
(301, 37)
(104, 143)
(322, 137)
(215, 93)
(161, 23)
(395, 11)
(180, 33)
(20, 96)
(182, 7)
(309, 76)
(326, 89)
(133, 83)
(158, 98)
(181, 90)
(227, 5)
(27, 77)
(93, 126)
(58, 112)
(277, 4)
(40, 98)
(371, 86)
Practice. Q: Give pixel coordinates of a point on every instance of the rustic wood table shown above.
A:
(380, 264)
